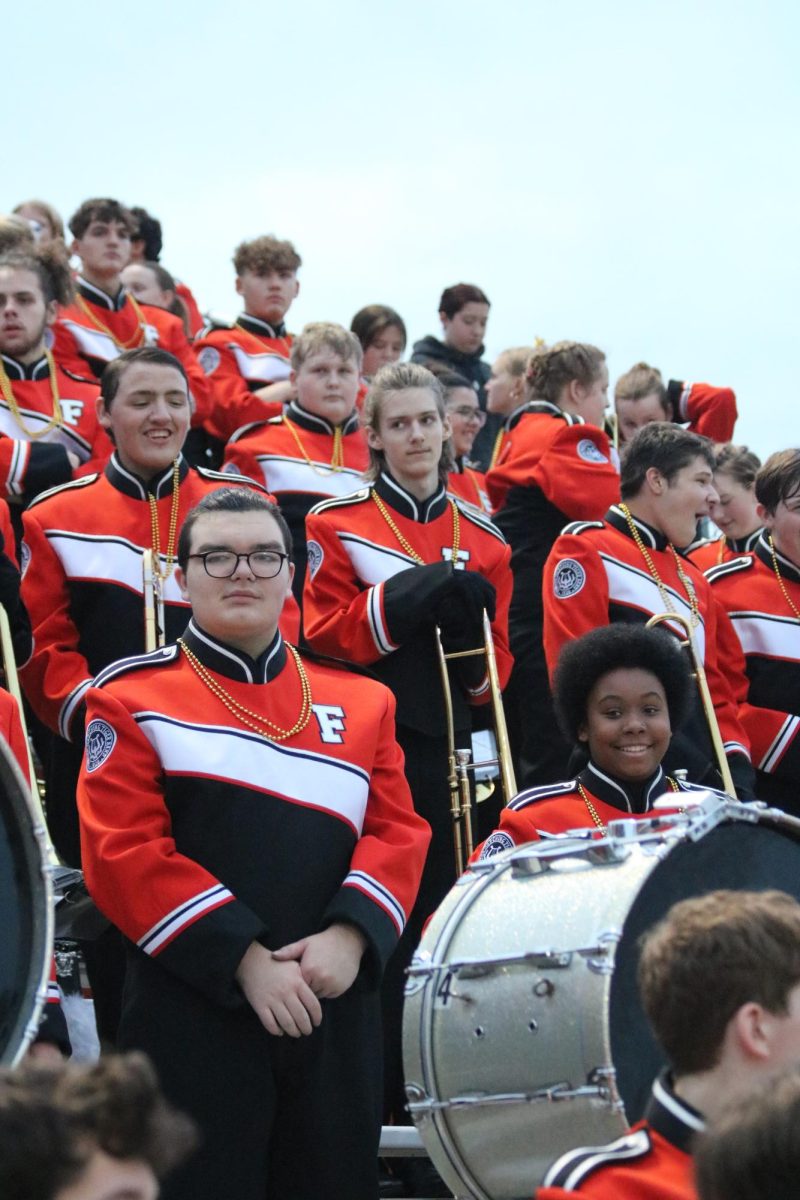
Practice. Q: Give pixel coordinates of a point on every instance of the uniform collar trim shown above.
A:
(626, 799)
(670, 1116)
(235, 664)
(96, 295)
(261, 328)
(316, 424)
(745, 545)
(396, 496)
(788, 569)
(535, 407)
(653, 538)
(18, 371)
(131, 485)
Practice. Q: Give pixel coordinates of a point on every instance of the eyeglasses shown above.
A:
(222, 564)
(476, 415)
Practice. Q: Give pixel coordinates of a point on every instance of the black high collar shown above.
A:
(17, 371)
(542, 408)
(628, 798)
(232, 663)
(396, 496)
(653, 538)
(96, 295)
(132, 485)
(672, 1117)
(315, 424)
(744, 545)
(787, 568)
(261, 328)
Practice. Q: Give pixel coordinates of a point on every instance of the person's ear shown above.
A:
(180, 579)
(655, 481)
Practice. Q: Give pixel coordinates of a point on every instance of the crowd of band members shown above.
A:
(416, 494)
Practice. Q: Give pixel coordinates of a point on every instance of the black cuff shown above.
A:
(674, 393)
(48, 466)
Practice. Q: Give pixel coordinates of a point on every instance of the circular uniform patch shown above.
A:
(315, 557)
(497, 843)
(208, 359)
(100, 741)
(568, 579)
(24, 559)
(589, 452)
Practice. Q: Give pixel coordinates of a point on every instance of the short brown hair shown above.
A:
(53, 1119)
(454, 298)
(642, 380)
(100, 209)
(549, 371)
(752, 1151)
(375, 319)
(325, 335)
(779, 479)
(667, 447)
(265, 254)
(708, 957)
(230, 500)
(153, 356)
(400, 377)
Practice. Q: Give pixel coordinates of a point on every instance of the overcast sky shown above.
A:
(622, 173)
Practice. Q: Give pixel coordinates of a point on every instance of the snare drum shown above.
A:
(26, 911)
(524, 1035)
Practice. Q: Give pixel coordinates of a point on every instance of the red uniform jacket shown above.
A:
(710, 411)
(707, 554)
(200, 836)
(470, 485)
(193, 313)
(651, 1162)
(596, 575)
(84, 347)
(769, 635)
(364, 603)
(82, 582)
(558, 808)
(238, 362)
(31, 460)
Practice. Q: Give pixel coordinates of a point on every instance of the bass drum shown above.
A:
(523, 1031)
(26, 911)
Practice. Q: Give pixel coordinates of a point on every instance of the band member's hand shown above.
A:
(278, 994)
(280, 392)
(329, 960)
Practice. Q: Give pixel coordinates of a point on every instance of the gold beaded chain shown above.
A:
(55, 421)
(173, 525)
(337, 458)
(263, 337)
(779, 577)
(409, 549)
(689, 587)
(593, 813)
(138, 337)
(272, 732)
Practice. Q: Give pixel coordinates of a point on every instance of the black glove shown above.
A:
(410, 598)
(460, 610)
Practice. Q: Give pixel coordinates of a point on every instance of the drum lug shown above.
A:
(601, 960)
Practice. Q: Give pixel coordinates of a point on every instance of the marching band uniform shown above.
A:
(709, 411)
(552, 468)
(379, 577)
(201, 837)
(238, 361)
(301, 458)
(470, 485)
(83, 589)
(762, 598)
(708, 553)
(597, 574)
(44, 412)
(592, 799)
(97, 328)
(650, 1162)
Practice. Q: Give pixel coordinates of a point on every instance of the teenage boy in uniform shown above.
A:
(246, 823)
(628, 567)
(104, 320)
(719, 979)
(247, 365)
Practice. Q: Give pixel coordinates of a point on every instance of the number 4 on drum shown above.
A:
(445, 992)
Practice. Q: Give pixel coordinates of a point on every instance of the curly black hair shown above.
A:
(582, 662)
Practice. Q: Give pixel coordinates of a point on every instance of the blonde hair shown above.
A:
(388, 381)
(325, 335)
(549, 371)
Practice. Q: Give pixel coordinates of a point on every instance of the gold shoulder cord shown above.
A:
(57, 418)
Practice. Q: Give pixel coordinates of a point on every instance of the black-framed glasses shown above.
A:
(222, 564)
(475, 415)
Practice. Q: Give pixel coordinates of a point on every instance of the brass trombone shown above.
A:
(458, 761)
(705, 695)
(154, 627)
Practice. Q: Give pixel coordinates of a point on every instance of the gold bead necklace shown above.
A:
(694, 608)
(264, 337)
(141, 322)
(173, 525)
(593, 813)
(259, 724)
(779, 577)
(57, 418)
(337, 457)
(409, 549)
